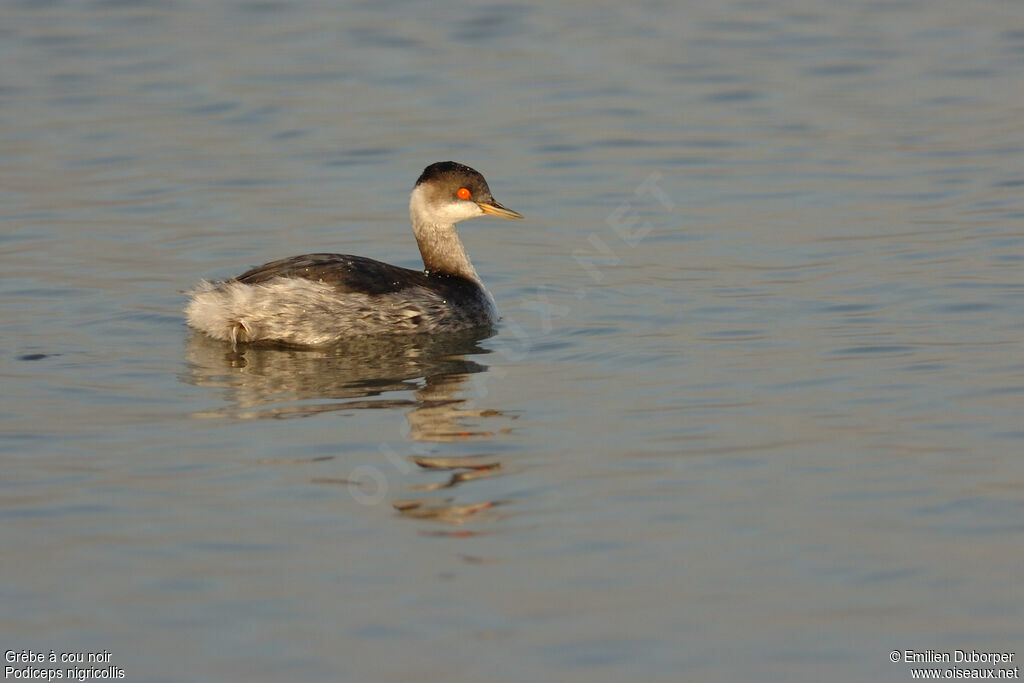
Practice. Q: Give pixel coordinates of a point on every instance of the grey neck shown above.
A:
(440, 246)
(442, 250)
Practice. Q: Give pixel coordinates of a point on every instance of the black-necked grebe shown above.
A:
(318, 299)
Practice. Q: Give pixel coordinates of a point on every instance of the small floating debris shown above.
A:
(445, 533)
(439, 509)
(295, 461)
(469, 462)
(403, 505)
(36, 356)
(456, 478)
(335, 480)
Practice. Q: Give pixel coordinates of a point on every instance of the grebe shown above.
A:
(318, 299)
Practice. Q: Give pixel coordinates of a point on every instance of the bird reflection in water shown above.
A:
(465, 469)
(358, 374)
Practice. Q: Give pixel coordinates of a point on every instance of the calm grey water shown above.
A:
(754, 411)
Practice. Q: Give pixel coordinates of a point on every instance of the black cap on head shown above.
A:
(456, 173)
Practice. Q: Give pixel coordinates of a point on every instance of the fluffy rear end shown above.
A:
(218, 311)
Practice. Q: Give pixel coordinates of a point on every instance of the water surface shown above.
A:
(754, 410)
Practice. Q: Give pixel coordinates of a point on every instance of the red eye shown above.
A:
(463, 193)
